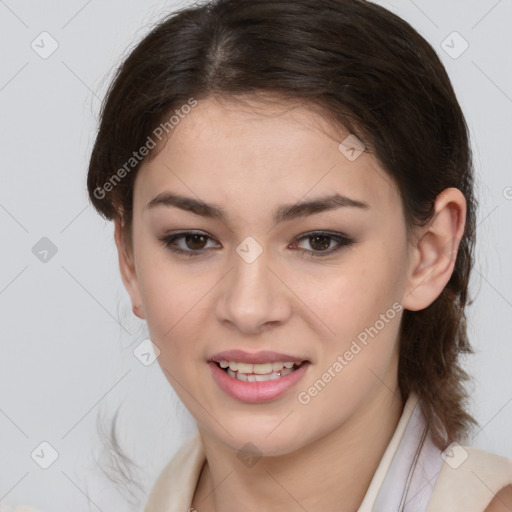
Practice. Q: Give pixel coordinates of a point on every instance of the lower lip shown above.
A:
(256, 392)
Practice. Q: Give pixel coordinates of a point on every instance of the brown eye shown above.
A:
(196, 242)
(186, 243)
(320, 243)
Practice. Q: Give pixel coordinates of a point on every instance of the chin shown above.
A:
(260, 438)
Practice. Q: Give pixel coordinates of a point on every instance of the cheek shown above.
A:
(164, 292)
(177, 300)
(172, 305)
(360, 310)
(346, 298)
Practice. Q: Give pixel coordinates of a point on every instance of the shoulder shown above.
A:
(174, 487)
(470, 480)
(502, 502)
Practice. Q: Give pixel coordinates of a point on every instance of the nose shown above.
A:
(253, 296)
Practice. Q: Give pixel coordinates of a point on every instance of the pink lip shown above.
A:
(255, 392)
(255, 358)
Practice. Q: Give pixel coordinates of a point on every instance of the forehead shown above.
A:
(256, 153)
(255, 126)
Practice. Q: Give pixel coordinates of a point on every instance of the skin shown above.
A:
(249, 159)
(502, 502)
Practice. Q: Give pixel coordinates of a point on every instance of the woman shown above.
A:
(292, 192)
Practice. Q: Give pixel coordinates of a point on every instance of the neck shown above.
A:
(331, 473)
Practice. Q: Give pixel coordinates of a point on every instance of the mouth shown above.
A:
(257, 382)
(257, 377)
(263, 372)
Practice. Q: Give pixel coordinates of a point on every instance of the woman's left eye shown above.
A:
(322, 241)
(194, 242)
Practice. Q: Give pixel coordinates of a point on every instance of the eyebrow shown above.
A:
(283, 213)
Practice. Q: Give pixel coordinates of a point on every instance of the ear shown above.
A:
(127, 268)
(435, 251)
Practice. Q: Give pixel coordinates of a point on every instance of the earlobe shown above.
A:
(434, 255)
(127, 269)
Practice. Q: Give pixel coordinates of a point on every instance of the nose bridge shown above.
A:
(252, 296)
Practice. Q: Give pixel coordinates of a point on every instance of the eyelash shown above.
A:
(341, 239)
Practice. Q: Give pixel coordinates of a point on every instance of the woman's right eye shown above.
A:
(192, 243)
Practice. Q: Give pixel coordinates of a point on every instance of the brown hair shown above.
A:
(372, 73)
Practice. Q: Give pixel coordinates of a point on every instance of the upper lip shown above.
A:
(255, 357)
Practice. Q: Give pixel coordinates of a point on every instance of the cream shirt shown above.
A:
(412, 476)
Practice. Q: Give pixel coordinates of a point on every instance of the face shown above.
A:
(259, 271)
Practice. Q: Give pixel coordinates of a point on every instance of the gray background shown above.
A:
(67, 330)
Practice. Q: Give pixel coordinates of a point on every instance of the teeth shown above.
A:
(242, 367)
(241, 376)
(258, 378)
(261, 369)
(258, 369)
